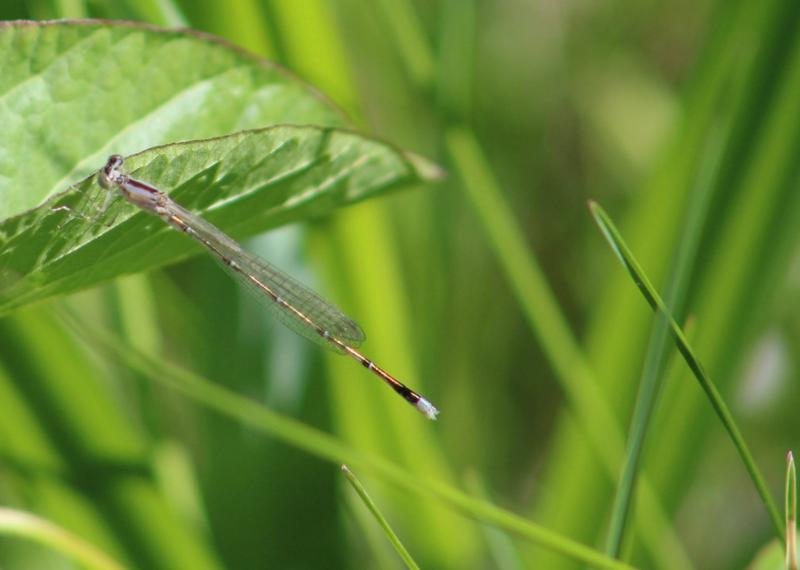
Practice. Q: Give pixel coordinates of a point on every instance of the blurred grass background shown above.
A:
(533, 107)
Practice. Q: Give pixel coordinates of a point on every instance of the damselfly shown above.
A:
(297, 306)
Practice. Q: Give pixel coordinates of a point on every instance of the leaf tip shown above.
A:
(426, 170)
(595, 209)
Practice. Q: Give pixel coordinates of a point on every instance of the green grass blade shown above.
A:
(368, 237)
(87, 428)
(70, 8)
(384, 524)
(243, 183)
(161, 12)
(410, 39)
(790, 510)
(25, 525)
(310, 44)
(727, 292)
(655, 360)
(625, 256)
(246, 22)
(504, 553)
(549, 324)
(261, 419)
(380, 426)
(456, 58)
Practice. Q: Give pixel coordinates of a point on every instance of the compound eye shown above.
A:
(110, 173)
(114, 162)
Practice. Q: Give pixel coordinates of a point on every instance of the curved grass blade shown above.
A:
(625, 256)
(655, 360)
(548, 323)
(408, 560)
(25, 525)
(242, 183)
(503, 551)
(264, 420)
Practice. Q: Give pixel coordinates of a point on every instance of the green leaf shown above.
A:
(244, 183)
(72, 93)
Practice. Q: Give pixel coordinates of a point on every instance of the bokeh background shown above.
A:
(492, 292)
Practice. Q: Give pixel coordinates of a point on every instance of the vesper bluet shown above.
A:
(297, 306)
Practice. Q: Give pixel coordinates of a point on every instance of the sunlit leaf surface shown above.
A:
(244, 182)
(71, 94)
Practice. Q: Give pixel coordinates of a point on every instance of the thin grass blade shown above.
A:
(791, 513)
(655, 361)
(628, 261)
(384, 524)
(25, 525)
(504, 553)
(559, 344)
(261, 419)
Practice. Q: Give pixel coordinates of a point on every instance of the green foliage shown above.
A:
(653, 299)
(189, 432)
(408, 560)
(259, 418)
(243, 182)
(17, 523)
(75, 93)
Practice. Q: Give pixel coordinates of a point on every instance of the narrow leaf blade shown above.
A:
(620, 249)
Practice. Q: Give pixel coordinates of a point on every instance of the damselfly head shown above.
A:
(110, 174)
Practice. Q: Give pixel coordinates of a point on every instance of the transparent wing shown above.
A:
(320, 313)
